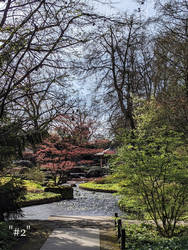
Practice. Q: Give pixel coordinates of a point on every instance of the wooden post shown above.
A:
(123, 239)
(119, 228)
(116, 215)
(101, 161)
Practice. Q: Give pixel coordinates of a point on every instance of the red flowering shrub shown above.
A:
(69, 148)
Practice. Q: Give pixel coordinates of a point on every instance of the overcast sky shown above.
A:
(121, 6)
(129, 6)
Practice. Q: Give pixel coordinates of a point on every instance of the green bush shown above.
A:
(131, 208)
(32, 186)
(145, 237)
(6, 236)
(10, 195)
(155, 175)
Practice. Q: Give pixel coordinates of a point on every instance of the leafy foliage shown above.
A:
(10, 195)
(155, 169)
(11, 141)
(144, 237)
(6, 236)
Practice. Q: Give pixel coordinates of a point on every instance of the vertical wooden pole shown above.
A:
(123, 239)
(116, 215)
(119, 228)
(101, 161)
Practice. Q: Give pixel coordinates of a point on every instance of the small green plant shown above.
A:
(131, 208)
(32, 186)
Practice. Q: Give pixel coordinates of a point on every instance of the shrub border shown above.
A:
(98, 190)
(40, 201)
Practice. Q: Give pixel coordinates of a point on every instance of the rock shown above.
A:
(77, 175)
(24, 170)
(94, 173)
(73, 185)
(15, 171)
(77, 170)
(48, 177)
(23, 163)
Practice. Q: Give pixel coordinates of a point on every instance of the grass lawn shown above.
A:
(35, 192)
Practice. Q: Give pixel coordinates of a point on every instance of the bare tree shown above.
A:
(114, 57)
(172, 42)
(35, 38)
(41, 103)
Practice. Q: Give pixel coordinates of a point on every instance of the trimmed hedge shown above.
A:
(40, 201)
(96, 189)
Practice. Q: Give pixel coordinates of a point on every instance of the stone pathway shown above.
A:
(77, 232)
(73, 239)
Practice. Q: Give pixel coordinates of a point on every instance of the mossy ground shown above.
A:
(102, 184)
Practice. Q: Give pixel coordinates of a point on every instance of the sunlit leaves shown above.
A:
(153, 164)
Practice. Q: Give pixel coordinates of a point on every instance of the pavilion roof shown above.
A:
(107, 151)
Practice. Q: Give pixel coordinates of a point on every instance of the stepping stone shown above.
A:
(73, 238)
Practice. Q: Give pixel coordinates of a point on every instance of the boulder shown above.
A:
(77, 175)
(24, 170)
(76, 170)
(23, 163)
(97, 172)
(73, 185)
(48, 177)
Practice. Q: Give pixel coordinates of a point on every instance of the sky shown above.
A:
(129, 6)
(120, 6)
